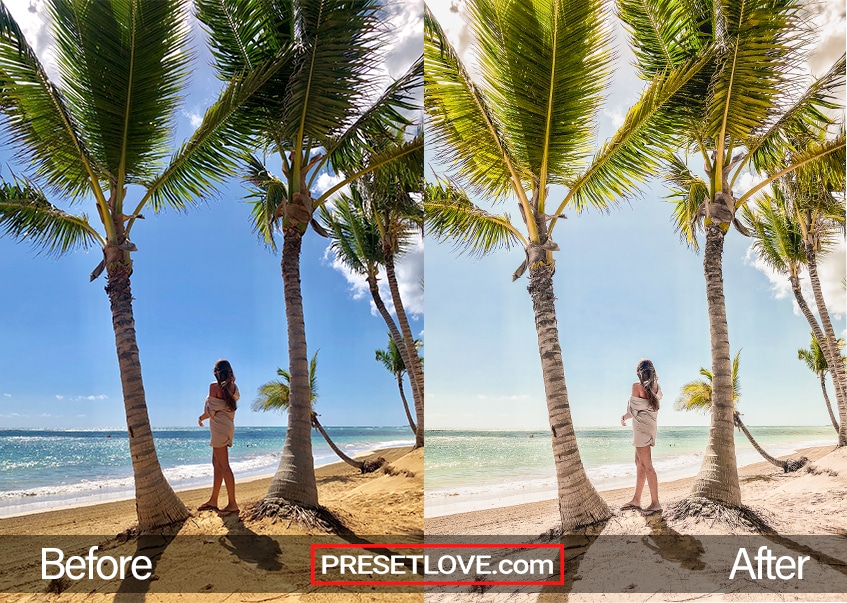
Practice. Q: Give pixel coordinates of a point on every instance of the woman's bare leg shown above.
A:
(217, 479)
(646, 457)
(640, 477)
(222, 454)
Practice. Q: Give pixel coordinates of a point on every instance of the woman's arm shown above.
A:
(202, 418)
(625, 417)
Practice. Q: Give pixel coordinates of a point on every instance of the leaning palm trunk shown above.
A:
(718, 476)
(829, 345)
(401, 347)
(413, 363)
(406, 404)
(787, 466)
(828, 404)
(367, 466)
(155, 501)
(579, 502)
(294, 481)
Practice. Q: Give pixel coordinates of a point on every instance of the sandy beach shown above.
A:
(387, 502)
(809, 502)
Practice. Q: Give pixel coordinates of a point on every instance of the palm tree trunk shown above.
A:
(828, 404)
(294, 480)
(156, 504)
(579, 502)
(759, 449)
(401, 347)
(413, 364)
(353, 462)
(406, 404)
(829, 344)
(718, 476)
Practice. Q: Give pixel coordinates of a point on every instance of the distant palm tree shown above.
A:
(739, 116)
(393, 363)
(276, 395)
(318, 116)
(523, 126)
(697, 395)
(815, 360)
(101, 135)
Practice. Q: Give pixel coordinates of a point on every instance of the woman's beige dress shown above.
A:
(221, 421)
(644, 426)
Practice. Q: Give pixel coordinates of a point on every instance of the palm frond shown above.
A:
(799, 122)
(460, 124)
(544, 66)
(777, 238)
(451, 216)
(123, 66)
(340, 44)
(27, 215)
(354, 237)
(41, 128)
(266, 195)
(376, 124)
(687, 192)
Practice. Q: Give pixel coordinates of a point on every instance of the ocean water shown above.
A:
(473, 470)
(43, 469)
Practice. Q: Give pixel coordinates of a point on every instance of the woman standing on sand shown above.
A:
(642, 408)
(220, 410)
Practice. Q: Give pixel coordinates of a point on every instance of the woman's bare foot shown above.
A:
(208, 506)
(653, 508)
(633, 504)
(228, 510)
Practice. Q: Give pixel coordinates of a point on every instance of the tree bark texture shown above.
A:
(406, 404)
(828, 404)
(413, 365)
(417, 394)
(156, 503)
(294, 480)
(718, 476)
(317, 425)
(579, 502)
(759, 449)
(829, 344)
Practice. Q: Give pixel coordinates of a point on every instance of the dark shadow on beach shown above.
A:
(152, 546)
(670, 545)
(263, 552)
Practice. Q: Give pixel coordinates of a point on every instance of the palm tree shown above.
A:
(526, 123)
(101, 136)
(318, 116)
(370, 227)
(393, 362)
(778, 226)
(697, 395)
(276, 395)
(815, 360)
(739, 115)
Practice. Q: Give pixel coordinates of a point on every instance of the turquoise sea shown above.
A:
(472, 470)
(44, 469)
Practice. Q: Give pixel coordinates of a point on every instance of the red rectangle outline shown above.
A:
(316, 582)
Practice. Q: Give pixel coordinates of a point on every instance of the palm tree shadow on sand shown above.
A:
(151, 546)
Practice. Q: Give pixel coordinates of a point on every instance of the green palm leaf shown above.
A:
(451, 216)
(687, 193)
(276, 394)
(460, 122)
(26, 215)
(266, 194)
(544, 65)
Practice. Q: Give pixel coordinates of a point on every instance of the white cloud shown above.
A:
(194, 116)
(31, 17)
(7, 395)
(831, 270)
(326, 182)
(58, 397)
(409, 269)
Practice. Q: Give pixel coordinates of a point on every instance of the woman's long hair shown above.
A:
(649, 381)
(223, 375)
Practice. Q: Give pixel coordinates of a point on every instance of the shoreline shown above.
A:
(539, 516)
(189, 493)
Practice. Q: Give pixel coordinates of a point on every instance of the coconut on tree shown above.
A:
(740, 116)
(319, 116)
(697, 395)
(101, 136)
(814, 358)
(521, 130)
(276, 395)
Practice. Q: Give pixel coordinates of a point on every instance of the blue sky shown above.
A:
(626, 289)
(205, 288)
